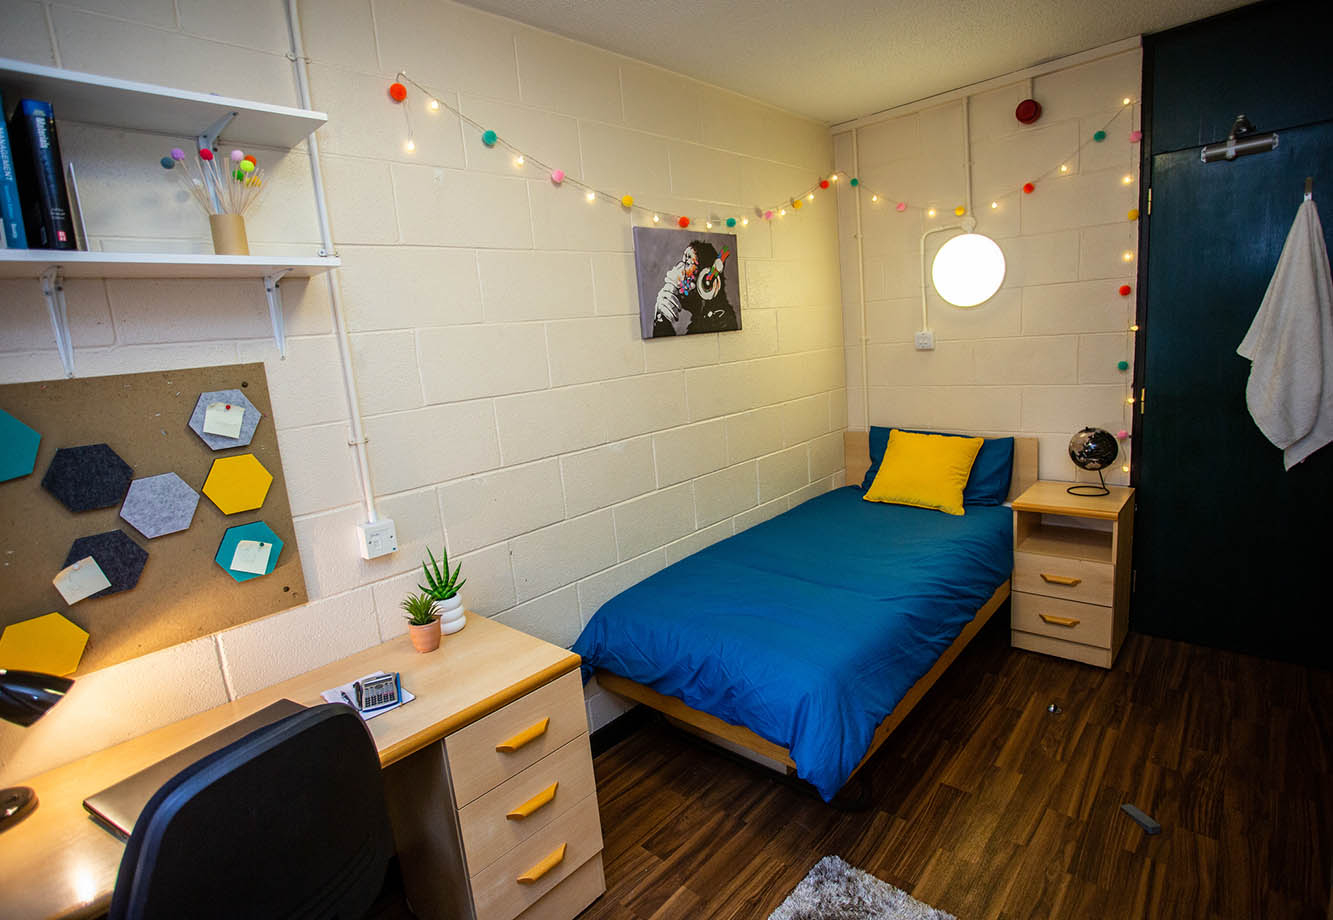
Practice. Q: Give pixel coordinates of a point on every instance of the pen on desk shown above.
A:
(346, 699)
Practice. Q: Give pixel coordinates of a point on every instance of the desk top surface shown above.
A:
(58, 863)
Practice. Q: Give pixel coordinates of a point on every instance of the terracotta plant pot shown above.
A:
(425, 638)
(451, 615)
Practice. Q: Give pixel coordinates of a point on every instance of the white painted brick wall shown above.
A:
(1040, 357)
(514, 413)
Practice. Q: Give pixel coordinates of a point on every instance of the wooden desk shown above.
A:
(58, 863)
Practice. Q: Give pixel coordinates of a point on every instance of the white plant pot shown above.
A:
(451, 615)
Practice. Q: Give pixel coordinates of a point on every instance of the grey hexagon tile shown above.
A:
(236, 398)
(120, 559)
(159, 505)
(88, 477)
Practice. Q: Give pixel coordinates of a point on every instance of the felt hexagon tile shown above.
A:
(237, 484)
(47, 644)
(213, 419)
(120, 559)
(248, 551)
(18, 447)
(159, 505)
(88, 477)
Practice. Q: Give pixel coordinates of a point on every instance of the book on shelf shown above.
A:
(11, 211)
(41, 176)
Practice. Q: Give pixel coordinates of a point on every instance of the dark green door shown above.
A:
(1230, 549)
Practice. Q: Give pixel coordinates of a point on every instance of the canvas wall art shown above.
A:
(688, 281)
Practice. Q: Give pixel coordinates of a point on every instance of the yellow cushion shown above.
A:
(925, 471)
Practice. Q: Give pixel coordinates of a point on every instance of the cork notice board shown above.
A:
(182, 593)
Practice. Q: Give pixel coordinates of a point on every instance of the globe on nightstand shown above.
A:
(1093, 449)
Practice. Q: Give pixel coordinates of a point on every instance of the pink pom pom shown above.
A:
(768, 215)
(902, 206)
(177, 153)
(1135, 136)
(557, 176)
(205, 154)
(237, 156)
(1122, 434)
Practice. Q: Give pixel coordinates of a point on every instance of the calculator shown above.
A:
(375, 692)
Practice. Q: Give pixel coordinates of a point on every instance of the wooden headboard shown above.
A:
(856, 452)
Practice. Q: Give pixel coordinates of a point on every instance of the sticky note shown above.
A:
(224, 419)
(251, 556)
(82, 579)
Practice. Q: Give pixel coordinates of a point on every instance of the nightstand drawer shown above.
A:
(1068, 578)
(486, 753)
(519, 807)
(1087, 624)
(522, 876)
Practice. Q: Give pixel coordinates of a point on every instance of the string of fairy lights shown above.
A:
(523, 160)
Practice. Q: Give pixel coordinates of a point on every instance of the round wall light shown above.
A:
(968, 269)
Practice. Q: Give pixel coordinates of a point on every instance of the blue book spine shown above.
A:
(41, 176)
(11, 210)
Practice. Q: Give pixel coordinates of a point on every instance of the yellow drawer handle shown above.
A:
(537, 801)
(531, 733)
(1059, 621)
(553, 859)
(1060, 579)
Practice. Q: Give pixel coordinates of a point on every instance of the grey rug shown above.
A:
(834, 890)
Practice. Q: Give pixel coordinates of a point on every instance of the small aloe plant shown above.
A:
(420, 609)
(440, 585)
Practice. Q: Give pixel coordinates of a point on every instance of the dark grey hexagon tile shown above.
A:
(120, 559)
(88, 477)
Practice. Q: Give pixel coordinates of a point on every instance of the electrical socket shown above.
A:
(924, 340)
(377, 539)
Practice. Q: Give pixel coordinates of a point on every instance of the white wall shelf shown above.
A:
(98, 100)
(32, 263)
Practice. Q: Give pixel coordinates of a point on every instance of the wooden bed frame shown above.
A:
(856, 447)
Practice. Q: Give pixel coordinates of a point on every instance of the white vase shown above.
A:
(451, 615)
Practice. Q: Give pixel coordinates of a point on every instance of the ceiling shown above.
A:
(841, 59)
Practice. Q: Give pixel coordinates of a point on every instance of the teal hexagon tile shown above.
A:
(18, 447)
(256, 533)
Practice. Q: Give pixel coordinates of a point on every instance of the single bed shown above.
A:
(807, 638)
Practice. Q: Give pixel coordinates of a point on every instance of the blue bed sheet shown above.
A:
(810, 627)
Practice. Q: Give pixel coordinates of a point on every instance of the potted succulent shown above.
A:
(442, 587)
(423, 620)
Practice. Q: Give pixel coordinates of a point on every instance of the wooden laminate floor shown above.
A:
(987, 806)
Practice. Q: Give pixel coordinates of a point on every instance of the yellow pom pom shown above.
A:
(1133, 213)
(627, 201)
(960, 210)
(796, 204)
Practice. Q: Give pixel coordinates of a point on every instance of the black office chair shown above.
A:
(287, 822)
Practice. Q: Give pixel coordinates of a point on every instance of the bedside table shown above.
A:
(1071, 582)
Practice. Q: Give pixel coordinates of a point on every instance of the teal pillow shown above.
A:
(988, 483)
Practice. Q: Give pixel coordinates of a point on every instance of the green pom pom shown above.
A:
(854, 183)
(731, 221)
(1099, 136)
(489, 138)
(1123, 365)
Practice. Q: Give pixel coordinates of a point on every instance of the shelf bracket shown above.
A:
(53, 291)
(273, 291)
(205, 140)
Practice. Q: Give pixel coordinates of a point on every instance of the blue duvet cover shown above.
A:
(810, 627)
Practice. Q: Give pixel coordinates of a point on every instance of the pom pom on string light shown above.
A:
(684, 222)
(1099, 136)
(557, 176)
(1133, 214)
(853, 182)
(1122, 365)
(1122, 434)
(901, 206)
(397, 92)
(1124, 290)
(731, 221)
(1028, 188)
(959, 211)
(823, 183)
(796, 204)
(489, 138)
(768, 215)
(627, 201)
(1135, 136)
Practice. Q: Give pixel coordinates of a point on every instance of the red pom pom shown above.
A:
(684, 222)
(205, 154)
(1124, 290)
(823, 183)
(1028, 188)
(397, 92)
(251, 159)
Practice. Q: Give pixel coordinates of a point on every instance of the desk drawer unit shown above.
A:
(1069, 621)
(491, 750)
(1059, 576)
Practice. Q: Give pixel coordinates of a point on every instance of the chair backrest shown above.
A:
(289, 821)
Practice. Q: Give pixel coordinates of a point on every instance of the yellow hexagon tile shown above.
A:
(47, 644)
(237, 484)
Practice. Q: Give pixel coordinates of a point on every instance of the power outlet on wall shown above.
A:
(377, 539)
(924, 340)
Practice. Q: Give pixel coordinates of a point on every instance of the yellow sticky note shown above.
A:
(224, 419)
(47, 644)
(82, 579)
(251, 556)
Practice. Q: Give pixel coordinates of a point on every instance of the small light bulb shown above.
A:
(1128, 256)
(833, 178)
(930, 213)
(994, 205)
(1130, 400)
(810, 197)
(782, 212)
(708, 225)
(745, 221)
(1125, 468)
(518, 160)
(410, 145)
(1125, 101)
(874, 198)
(591, 196)
(1127, 180)
(433, 105)
(656, 219)
(1134, 327)
(1064, 167)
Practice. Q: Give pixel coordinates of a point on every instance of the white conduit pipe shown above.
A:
(358, 442)
(861, 287)
(968, 223)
